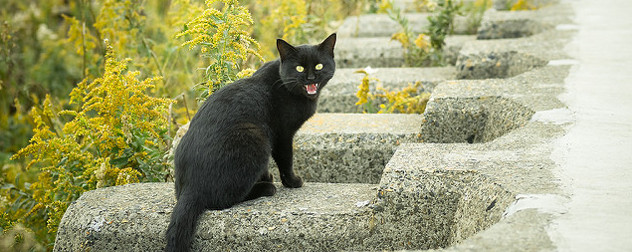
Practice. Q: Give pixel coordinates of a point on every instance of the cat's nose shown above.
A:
(311, 76)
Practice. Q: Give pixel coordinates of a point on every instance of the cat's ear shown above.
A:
(327, 46)
(285, 49)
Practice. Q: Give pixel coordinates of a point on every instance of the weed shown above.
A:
(116, 136)
(411, 99)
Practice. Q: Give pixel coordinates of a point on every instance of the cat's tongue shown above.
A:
(311, 88)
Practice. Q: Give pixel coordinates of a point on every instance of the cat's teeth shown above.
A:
(311, 89)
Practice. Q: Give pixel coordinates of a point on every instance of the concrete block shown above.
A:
(471, 120)
(484, 59)
(381, 25)
(416, 206)
(384, 52)
(475, 111)
(135, 218)
(434, 206)
(363, 52)
(516, 24)
(340, 94)
(349, 148)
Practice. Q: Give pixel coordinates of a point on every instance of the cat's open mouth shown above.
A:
(311, 89)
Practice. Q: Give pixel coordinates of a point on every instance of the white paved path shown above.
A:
(596, 154)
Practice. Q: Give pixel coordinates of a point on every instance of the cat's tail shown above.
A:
(183, 224)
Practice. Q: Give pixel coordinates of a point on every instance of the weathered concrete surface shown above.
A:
(381, 25)
(516, 24)
(340, 94)
(467, 200)
(489, 108)
(484, 59)
(384, 52)
(350, 148)
(449, 205)
(135, 218)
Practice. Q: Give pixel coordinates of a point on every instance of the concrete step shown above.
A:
(381, 25)
(384, 52)
(340, 94)
(412, 208)
(516, 24)
(350, 148)
(490, 108)
(122, 218)
(503, 58)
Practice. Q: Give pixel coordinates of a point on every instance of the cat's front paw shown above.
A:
(292, 182)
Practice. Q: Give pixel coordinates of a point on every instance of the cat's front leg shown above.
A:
(282, 154)
(266, 177)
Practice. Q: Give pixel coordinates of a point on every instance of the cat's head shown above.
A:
(306, 69)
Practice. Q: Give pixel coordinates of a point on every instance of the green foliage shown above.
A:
(224, 40)
(298, 21)
(426, 49)
(474, 12)
(286, 20)
(111, 129)
(114, 137)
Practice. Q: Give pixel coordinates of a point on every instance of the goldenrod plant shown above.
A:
(47, 47)
(411, 99)
(117, 135)
(286, 20)
(426, 49)
(223, 39)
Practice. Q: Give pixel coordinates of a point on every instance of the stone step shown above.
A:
(384, 52)
(340, 94)
(349, 148)
(413, 207)
(503, 58)
(381, 25)
(486, 111)
(516, 24)
(122, 218)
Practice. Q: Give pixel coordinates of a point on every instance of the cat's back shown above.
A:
(246, 100)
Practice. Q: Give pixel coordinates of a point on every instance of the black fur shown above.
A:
(223, 158)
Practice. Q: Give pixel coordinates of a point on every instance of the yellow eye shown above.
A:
(319, 67)
(300, 69)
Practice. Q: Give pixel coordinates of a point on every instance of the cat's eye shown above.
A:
(319, 67)
(300, 69)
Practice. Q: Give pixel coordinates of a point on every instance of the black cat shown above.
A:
(223, 158)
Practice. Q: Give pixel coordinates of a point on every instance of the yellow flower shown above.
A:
(402, 37)
(223, 39)
(423, 42)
